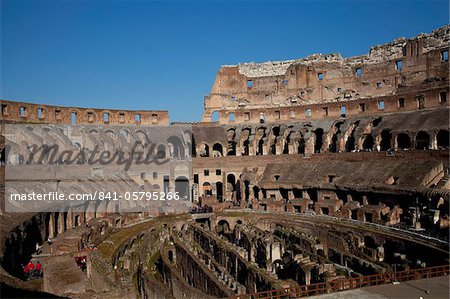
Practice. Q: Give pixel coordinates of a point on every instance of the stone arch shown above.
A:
(301, 147)
(178, 150)
(368, 142)
(219, 191)
(204, 150)
(403, 141)
(207, 189)
(245, 136)
(287, 140)
(214, 117)
(125, 134)
(256, 192)
(386, 137)
(223, 227)
(142, 136)
(231, 186)
(442, 139)
(261, 133)
(217, 150)
(231, 148)
(318, 142)
(111, 134)
(422, 140)
(161, 152)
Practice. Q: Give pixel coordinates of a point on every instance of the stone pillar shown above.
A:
(349, 198)
(275, 251)
(308, 276)
(51, 225)
(394, 141)
(433, 140)
(290, 194)
(61, 223)
(305, 194)
(69, 223)
(252, 253)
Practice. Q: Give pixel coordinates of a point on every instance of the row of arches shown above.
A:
(319, 142)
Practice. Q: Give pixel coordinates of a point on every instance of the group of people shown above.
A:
(31, 270)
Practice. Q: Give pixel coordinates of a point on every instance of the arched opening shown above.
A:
(368, 143)
(245, 148)
(238, 191)
(231, 182)
(260, 147)
(245, 133)
(301, 146)
(217, 150)
(287, 141)
(276, 130)
(223, 228)
(161, 152)
(256, 192)
(403, 141)
(215, 116)
(297, 193)
(261, 134)
(422, 141)
(246, 190)
(273, 145)
(177, 148)
(370, 242)
(182, 187)
(207, 189)
(204, 150)
(443, 139)
(219, 191)
(318, 142)
(333, 147)
(333, 144)
(386, 137)
(231, 148)
(125, 134)
(284, 194)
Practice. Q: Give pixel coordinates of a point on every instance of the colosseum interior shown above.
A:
(309, 176)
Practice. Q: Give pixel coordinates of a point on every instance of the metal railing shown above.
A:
(348, 284)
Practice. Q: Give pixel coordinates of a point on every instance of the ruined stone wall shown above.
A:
(36, 113)
(392, 77)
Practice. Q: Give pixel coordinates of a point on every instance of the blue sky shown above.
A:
(165, 55)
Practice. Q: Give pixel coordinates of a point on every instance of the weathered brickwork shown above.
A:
(35, 113)
(319, 172)
(405, 75)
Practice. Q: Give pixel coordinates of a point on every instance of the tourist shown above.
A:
(38, 269)
(38, 248)
(25, 270)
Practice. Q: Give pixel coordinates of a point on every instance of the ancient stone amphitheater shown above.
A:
(314, 175)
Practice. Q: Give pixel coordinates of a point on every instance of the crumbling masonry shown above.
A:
(307, 171)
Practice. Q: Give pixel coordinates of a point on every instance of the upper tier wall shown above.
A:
(37, 113)
(404, 67)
